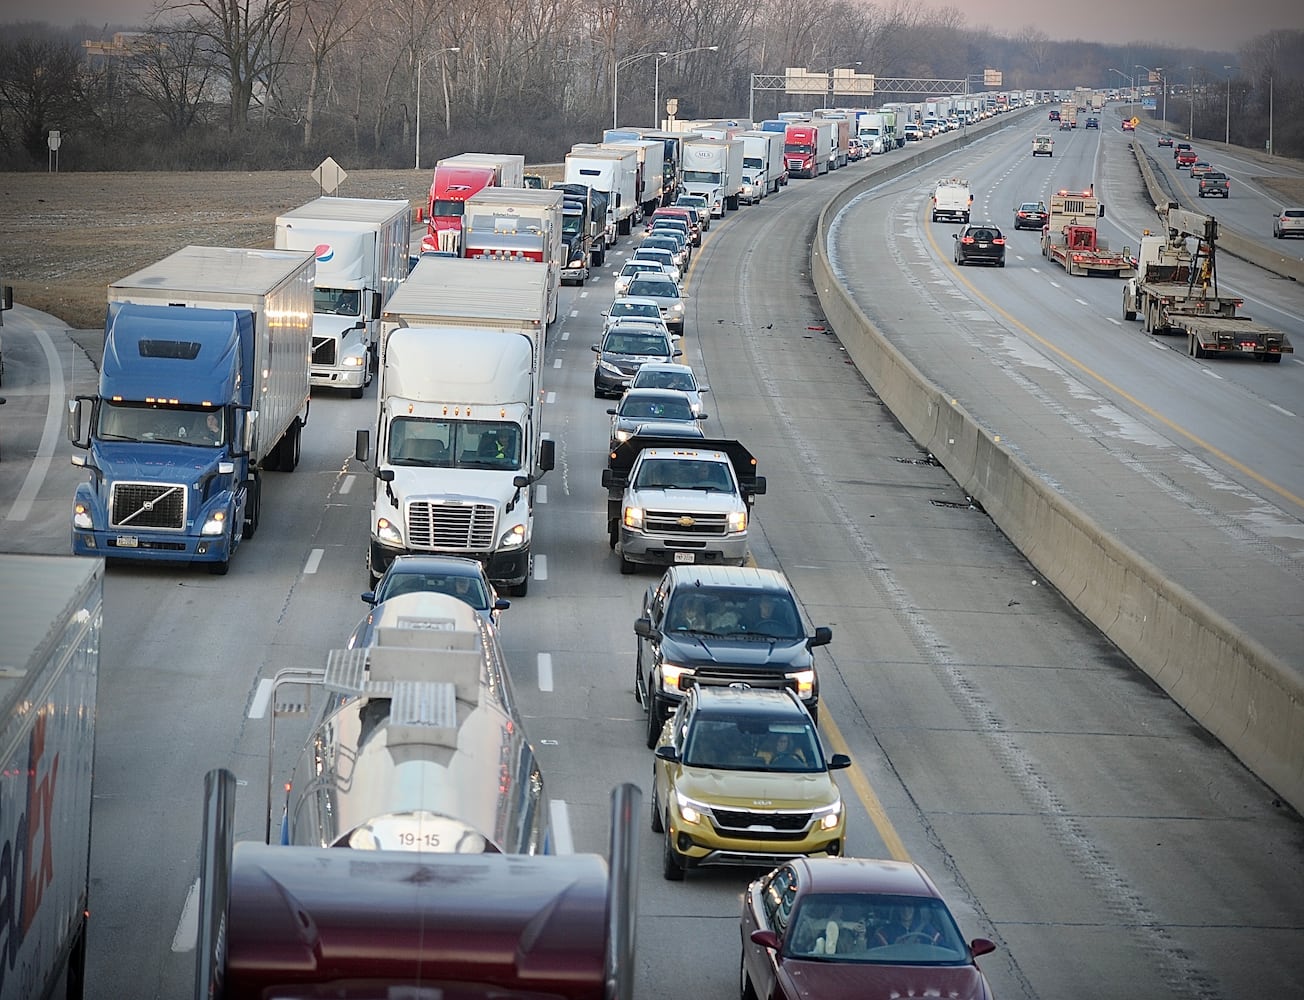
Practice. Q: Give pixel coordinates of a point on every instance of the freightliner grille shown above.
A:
(148, 505)
(323, 350)
(756, 822)
(461, 527)
(674, 522)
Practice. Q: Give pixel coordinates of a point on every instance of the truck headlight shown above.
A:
(829, 816)
(214, 524)
(388, 533)
(690, 810)
(81, 517)
(737, 521)
(634, 518)
(672, 673)
(805, 681)
(577, 262)
(513, 537)
(356, 360)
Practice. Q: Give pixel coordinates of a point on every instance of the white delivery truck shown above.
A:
(618, 168)
(651, 170)
(952, 199)
(518, 225)
(762, 163)
(50, 621)
(458, 442)
(872, 132)
(713, 168)
(203, 387)
(361, 246)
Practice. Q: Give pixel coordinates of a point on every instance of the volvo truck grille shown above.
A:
(149, 505)
(323, 350)
(451, 527)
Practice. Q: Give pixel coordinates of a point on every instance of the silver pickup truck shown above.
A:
(1215, 184)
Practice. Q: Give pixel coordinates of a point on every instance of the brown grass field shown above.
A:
(68, 235)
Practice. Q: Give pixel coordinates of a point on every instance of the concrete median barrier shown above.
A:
(1234, 687)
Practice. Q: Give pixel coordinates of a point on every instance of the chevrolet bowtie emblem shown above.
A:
(686, 521)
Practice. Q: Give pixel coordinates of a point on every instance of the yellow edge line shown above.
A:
(864, 791)
(1245, 470)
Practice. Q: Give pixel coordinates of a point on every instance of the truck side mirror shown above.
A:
(74, 423)
(361, 445)
(822, 637)
(1102, 209)
(758, 486)
(547, 454)
(375, 306)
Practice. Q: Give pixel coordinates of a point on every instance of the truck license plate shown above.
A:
(127, 542)
(684, 557)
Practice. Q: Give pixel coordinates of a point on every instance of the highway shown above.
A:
(1067, 808)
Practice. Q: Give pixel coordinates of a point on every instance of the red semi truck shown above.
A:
(451, 186)
(801, 151)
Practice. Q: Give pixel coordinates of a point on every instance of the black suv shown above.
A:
(721, 624)
(980, 242)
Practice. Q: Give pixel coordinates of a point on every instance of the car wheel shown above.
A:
(627, 568)
(1000, 263)
(655, 719)
(597, 392)
(672, 866)
(658, 826)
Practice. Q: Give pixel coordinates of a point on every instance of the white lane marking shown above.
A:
(1281, 409)
(557, 363)
(545, 671)
(1212, 374)
(562, 841)
(1158, 346)
(1082, 302)
(1116, 322)
(40, 466)
(346, 485)
(1035, 270)
(1054, 284)
(574, 313)
(262, 698)
(583, 295)
(541, 493)
(541, 567)
(550, 397)
(188, 926)
(565, 335)
(545, 435)
(314, 560)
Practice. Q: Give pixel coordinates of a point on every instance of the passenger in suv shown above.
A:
(724, 793)
(706, 624)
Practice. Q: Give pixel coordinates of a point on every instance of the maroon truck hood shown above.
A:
(833, 981)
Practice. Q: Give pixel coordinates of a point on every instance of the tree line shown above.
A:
(247, 84)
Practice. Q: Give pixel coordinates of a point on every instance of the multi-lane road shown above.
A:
(1068, 809)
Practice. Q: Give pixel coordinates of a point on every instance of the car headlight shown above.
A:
(677, 307)
(81, 516)
(623, 435)
(805, 680)
(214, 524)
(389, 533)
(610, 368)
(737, 520)
(829, 816)
(690, 810)
(672, 674)
(634, 518)
(513, 537)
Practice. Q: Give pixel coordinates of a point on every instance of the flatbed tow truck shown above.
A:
(1070, 239)
(1175, 291)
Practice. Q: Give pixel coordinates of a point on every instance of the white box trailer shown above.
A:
(652, 172)
(713, 168)
(612, 172)
(510, 166)
(50, 621)
(762, 161)
(361, 246)
(518, 226)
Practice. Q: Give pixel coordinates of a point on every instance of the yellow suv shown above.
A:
(740, 778)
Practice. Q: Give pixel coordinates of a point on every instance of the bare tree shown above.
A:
(319, 29)
(40, 88)
(169, 72)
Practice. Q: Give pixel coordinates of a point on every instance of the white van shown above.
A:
(952, 200)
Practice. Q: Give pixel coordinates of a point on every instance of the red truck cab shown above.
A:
(449, 189)
(799, 150)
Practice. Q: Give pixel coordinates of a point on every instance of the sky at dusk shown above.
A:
(1204, 24)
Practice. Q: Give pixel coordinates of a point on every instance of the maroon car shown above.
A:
(833, 928)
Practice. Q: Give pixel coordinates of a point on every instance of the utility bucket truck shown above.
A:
(1070, 238)
(361, 245)
(1176, 291)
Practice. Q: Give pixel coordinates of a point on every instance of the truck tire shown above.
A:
(290, 460)
(355, 392)
(599, 257)
(1196, 350)
(1271, 359)
(520, 589)
(220, 568)
(253, 504)
(627, 568)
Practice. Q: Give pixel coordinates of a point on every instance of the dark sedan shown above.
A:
(661, 406)
(980, 243)
(1031, 215)
(855, 928)
(452, 575)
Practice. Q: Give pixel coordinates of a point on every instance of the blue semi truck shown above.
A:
(203, 387)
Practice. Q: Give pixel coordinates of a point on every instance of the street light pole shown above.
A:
(420, 64)
(1227, 134)
(615, 81)
(1190, 99)
(656, 77)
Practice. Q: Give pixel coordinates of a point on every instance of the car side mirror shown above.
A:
(596, 349)
(766, 938)
(955, 236)
(666, 752)
(822, 637)
(612, 411)
(369, 597)
(644, 630)
(703, 416)
(839, 761)
(981, 946)
(502, 604)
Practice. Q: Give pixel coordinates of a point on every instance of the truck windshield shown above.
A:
(724, 611)
(679, 474)
(702, 176)
(203, 428)
(447, 207)
(572, 225)
(454, 444)
(797, 147)
(337, 301)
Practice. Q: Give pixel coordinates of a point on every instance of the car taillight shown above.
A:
(999, 241)
(966, 239)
